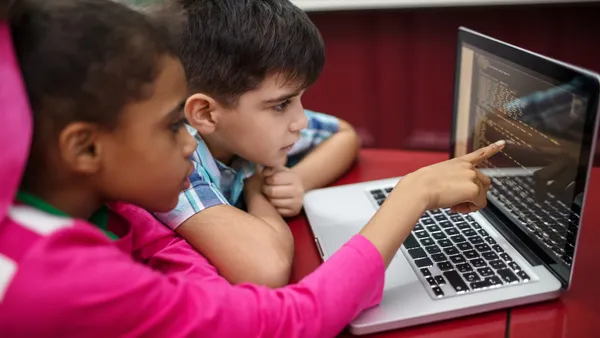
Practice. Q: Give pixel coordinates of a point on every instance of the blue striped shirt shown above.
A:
(214, 183)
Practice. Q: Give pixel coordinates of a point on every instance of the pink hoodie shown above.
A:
(63, 277)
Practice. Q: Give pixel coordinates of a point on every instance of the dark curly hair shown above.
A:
(84, 60)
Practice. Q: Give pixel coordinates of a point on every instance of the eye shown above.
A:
(282, 106)
(176, 126)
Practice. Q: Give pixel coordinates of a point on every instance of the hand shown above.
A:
(455, 183)
(284, 190)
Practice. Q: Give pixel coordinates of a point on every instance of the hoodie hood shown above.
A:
(15, 122)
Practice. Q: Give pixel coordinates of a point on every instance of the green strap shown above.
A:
(99, 218)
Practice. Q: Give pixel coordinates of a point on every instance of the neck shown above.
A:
(77, 202)
(217, 150)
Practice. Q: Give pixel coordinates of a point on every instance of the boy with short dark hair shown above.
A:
(248, 64)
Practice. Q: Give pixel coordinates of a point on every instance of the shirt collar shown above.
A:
(99, 218)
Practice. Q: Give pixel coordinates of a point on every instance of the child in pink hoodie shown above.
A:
(79, 255)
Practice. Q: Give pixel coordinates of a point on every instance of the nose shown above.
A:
(190, 143)
(300, 121)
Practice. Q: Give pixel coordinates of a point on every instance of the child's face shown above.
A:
(265, 124)
(145, 161)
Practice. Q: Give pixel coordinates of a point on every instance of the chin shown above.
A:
(274, 164)
(165, 207)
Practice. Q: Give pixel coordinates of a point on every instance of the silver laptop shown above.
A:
(521, 248)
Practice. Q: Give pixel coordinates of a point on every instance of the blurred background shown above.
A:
(390, 63)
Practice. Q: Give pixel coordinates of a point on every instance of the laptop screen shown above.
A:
(544, 111)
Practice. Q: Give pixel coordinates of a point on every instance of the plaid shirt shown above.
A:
(214, 183)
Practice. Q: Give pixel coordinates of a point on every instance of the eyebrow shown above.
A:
(283, 97)
(176, 112)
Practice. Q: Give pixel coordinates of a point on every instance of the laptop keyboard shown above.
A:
(551, 221)
(453, 255)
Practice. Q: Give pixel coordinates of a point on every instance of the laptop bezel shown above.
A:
(564, 73)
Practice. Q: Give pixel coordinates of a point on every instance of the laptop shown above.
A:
(521, 248)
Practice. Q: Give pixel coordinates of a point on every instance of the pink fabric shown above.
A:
(64, 278)
(76, 282)
(15, 121)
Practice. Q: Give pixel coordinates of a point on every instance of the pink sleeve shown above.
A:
(96, 290)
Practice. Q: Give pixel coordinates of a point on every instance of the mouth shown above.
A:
(186, 180)
(289, 147)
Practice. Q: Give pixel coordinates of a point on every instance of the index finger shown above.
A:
(484, 153)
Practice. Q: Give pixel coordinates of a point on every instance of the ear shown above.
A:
(202, 113)
(79, 147)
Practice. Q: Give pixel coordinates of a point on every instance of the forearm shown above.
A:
(330, 159)
(395, 219)
(260, 207)
(243, 247)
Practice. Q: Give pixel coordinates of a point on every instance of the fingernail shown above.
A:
(500, 143)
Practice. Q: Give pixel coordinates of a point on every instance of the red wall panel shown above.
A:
(391, 73)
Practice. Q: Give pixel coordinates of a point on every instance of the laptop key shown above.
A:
(451, 251)
(524, 276)
(458, 239)
(378, 194)
(479, 285)
(482, 247)
(446, 224)
(433, 228)
(452, 231)
(411, 242)
(471, 277)
(440, 280)
(465, 267)
(418, 227)
(506, 257)
(478, 263)
(443, 266)
(490, 240)
(514, 266)
(427, 241)
(421, 234)
(440, 217)
(438, 235)
(433, 249)
(507, 276)
(498, 264)
(483, 233)
(438, 291)
(456, 218)
(456, 281)
(389, 190)
(469, 232)
(470, 254)
(423, 262)
(425, 272)
(457, 259)
(475, 225)
(493, 281)
(380, 201)
(438, 257)
(444, 242)
(463, 226)
(431, 281)
(485, 272)
(427, 220)
(475, 240)
(417, 253)
(464, 246)
(489, 255)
